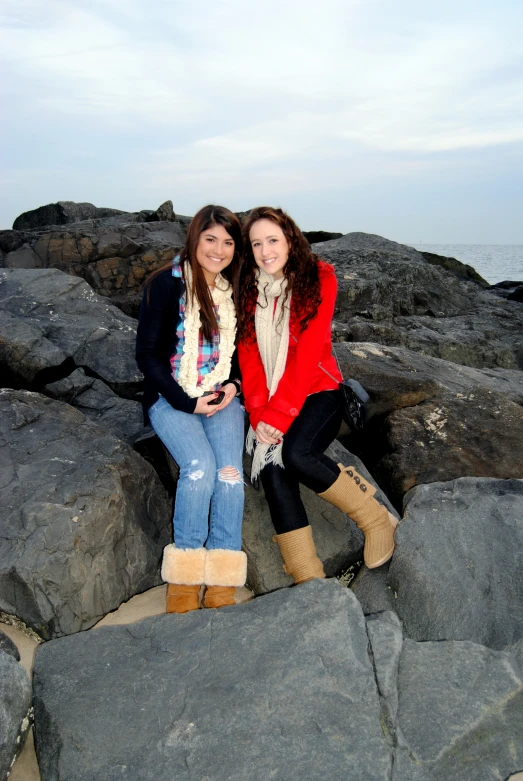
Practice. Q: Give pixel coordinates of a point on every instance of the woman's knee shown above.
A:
(294, 457)
(198, 470)
(230, 475)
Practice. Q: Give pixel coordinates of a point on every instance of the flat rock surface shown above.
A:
(85, 518)
(460, 714)
(279, 688)
(458, 566)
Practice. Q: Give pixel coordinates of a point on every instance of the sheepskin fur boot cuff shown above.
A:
(219, 596)
(225, 568)
(299, 554)
(182, 599)
(183, 566)
(354, 495)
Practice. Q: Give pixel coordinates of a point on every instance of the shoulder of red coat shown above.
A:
(325, 269)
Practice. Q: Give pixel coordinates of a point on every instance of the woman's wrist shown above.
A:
(237, 384)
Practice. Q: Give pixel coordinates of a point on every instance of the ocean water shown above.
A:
(495, 262)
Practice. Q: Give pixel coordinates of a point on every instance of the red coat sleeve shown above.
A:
(302, 367)
(254, 382)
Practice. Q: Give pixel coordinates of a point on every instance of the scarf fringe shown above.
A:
(262, 454)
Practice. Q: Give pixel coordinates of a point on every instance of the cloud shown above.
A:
(234, 98)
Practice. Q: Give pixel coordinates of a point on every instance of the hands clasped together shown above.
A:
(267, 435)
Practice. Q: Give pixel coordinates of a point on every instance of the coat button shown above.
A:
(351, 473)
(357, 480)
(293, 411)
(363, 487)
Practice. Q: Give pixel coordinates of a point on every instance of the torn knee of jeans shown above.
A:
(196, 475)
(229, 474)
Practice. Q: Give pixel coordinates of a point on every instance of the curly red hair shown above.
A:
(301, 272)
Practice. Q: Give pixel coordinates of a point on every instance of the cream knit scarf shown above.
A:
(188, 373)
(272, 336)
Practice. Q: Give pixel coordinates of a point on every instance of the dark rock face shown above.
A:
(85, 518)
(509, 289)
(294, 685)
(461, 270)
(164, 213)
(478, 434)
(52, 323)
(15, 704)
(99, 403)
(458, 567)
(433, 420)
(114, 255)
(389, 294)
(313, 237)
(61, 213)
(8, 647)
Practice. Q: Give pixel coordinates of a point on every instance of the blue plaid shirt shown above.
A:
(208, 352)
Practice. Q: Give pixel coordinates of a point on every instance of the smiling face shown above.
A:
(214, 251)
(269, 247)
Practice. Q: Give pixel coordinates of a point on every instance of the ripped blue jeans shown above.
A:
(208, 508)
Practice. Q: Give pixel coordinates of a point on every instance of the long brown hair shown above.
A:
(301, 272)
(204, 219)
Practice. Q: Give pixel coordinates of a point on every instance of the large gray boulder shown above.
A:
(52, 323)
(433, 420)
(84, 517)
(457, 571)
(293, 685)
(452, 710)
(15, 711)
(339, 542)
(281, 688)
(389, 294)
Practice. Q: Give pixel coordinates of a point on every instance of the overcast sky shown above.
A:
(387, 116)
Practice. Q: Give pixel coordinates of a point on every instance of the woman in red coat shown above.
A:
(290, 385)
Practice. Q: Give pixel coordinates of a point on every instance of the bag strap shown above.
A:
(337, 364)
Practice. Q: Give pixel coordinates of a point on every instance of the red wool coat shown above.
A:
(302, 375)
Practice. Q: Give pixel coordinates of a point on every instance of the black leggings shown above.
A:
(304, 460)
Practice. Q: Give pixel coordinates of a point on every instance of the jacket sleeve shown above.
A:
(254, 383)
(302, 367)
(155, 324)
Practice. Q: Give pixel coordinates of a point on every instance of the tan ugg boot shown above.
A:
(354, 495)
(184, 571)
(219, 596)
(225, 570)
(299, 554)
(182, 599)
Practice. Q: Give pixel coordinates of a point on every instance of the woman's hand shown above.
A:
(230, 392)
(203, 407)
(267, 435)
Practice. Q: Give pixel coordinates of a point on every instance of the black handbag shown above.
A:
(355, 399)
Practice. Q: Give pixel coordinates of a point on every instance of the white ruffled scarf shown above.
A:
(272, 336)
(188, 371)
